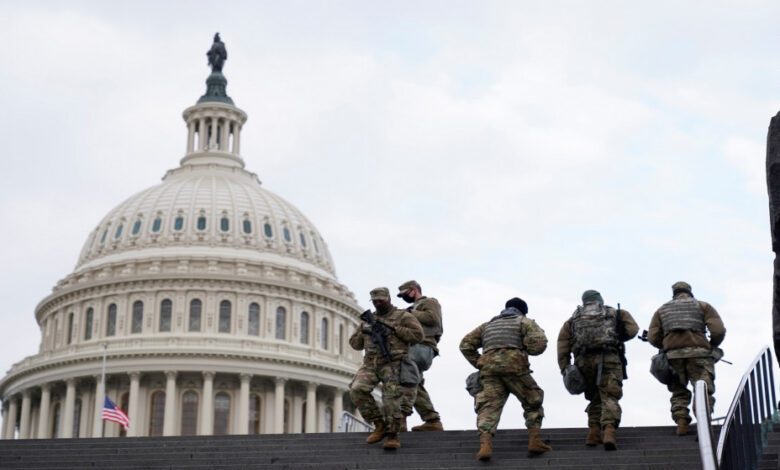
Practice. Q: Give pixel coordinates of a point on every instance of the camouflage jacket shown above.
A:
(630, 329)
(695, 343)
(504, 361)
(428, 312)
(408, 331)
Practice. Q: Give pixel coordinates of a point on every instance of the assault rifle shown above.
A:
(379, 332)
(717, 353)
(622, 348)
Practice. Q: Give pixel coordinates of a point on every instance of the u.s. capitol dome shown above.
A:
(215, 302)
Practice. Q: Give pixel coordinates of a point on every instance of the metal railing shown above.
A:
(351, 423)
(701, 408)
(751, 416)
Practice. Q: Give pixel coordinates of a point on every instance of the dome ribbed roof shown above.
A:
(207, 210)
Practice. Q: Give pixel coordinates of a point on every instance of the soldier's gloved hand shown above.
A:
(409, 308)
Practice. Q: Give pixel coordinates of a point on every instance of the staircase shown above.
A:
(641, 448)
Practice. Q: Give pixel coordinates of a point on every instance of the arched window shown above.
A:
(165, 315)
(157, 414)
(341, 339)
(103, 238)
(118, 231)
(221, 413)
(88, 324)
(111, 321)
(178, 223)
(324, 334)
(329, 418)
(136, 227)
(255, 407)
(224, 224)
(287, 236)
(70, 328)
(304, 328)
(224, 316)
(287, 416)
(76, 417)
(268, 230)
(189, 413)
(254, 319)
(281, 322)
(314, 242)
(247, 227)
(55, 422)
(195, 308)
(201, 223)
(156, 225)
(138, 317)
(303, 239)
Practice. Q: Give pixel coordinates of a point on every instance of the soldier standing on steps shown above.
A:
(595, 333)
(428, 312)
(506, 341)
(678, 327)
(404, 330)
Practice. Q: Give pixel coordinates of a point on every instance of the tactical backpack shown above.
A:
(593, 327)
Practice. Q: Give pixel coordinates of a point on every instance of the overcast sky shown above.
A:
(486, 149)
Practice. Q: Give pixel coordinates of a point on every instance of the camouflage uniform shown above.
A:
(377, 369)
(505, 371)
(689, 352)
(603, 408)
(428, 312)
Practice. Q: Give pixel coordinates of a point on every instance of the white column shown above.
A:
(190, 140)
(296, 414)
(5, 421)
(202, 134)
(223, 145)
(207, 406)
(97, 426)
(132, 404)
(243, 404)
(11, 424)
(24, 425)
(311, 407)
(236, 139)
(169, 425)
(43, 415)
(279, 405)
(66, 430)
(338, 408)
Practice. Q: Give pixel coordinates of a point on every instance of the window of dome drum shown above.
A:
(178, 223)
(103, 238)
(138, 317)
(254, 319)
(111, 322)
(304, 328)
(88, 324)
(247, 227)
(221, 413)
(165, 315)
(341, 339)
(201, 224)
(268, 231)
(136, 227)
(224, 224)
(156, 225)
(189, 413)
(303, 240)
(224, 316)
(157, 414)
(118, 231)
(70, 328)
(314, 242)
(281, 322)
(287, 236)
(195, 308)
(324, 332)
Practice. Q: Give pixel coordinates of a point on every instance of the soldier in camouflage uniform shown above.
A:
(678, 327)
(506, 341)
(406, 330)
(595, 334)
(428, 312)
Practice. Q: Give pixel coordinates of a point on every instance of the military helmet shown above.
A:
(592, 296)
(517, 303)
(380, 293)
(681, 286)
(407, 286)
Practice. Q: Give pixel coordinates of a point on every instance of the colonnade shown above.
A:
(72, 407)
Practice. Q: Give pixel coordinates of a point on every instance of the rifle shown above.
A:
(622, 348)
(643, 337)
(379, 332)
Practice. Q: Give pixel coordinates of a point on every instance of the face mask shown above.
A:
(407, 298)
(383, 308)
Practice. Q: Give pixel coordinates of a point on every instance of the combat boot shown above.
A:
(392, 441)
(594, 436)
(609, 437)
(485, 446)
(429, 425)
(682, 427)
(535, 443)
(378, 434)
(403, 425)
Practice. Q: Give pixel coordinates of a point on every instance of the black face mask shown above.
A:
(384, 308)
(407, 298)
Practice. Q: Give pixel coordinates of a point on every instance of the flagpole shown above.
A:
(103, 380)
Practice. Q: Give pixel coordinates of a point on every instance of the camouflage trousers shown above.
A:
(496, 388)
(690, 370)
(366, 379)
(603, 408)
(417, 398)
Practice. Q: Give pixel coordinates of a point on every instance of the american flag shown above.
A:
(111, 412)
